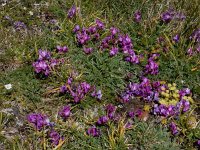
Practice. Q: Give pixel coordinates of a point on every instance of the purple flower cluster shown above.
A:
(170, 14)
(93, 131)
(184, 92)
(152, 67)
(87, 50)
(163, 110)
(84, 35)
(168, 111)
(80, 91)
(195, 36)
(116, 42)
(45, 63)
(55, 137)
(64, 113)
(38, 120)
(167, 16)
(44, 54)
(137, 16)
(102, 120)
(18, 25)
(176, 38)
(146, 90)
(42, 65)
(97, 94)
(110, 110)
(173, 128)
(61, 49)
(72, 12)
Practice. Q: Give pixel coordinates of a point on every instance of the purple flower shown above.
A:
(54, 137)
(183, 92)
(62, 49)
(82, 37)
(128, 125)
(186, 105)
(38, 120)
(41, 67)
(133, 58)
(76, 28)
(44, 54)
(131, 114)
(190, 51)
(63, 89)
(64, 112)
(93, 131)
(151, 67)
(173, 128)
(195, 36)
(110, 109)
(156, 84)
(72, 12)
(100, 25)
(79, 92)
(87, 50)
(97, 94)
(18, 25)
(113, 51)
(137, 16)
(167, 16)
(96, 36)
(53, 62)
(69, 80)
(92, 29)
(114, 31)
(198, 142)
(176, 38)
(102, 120)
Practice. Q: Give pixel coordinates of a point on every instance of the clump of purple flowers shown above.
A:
(87, 50)
(146, 90)
(44, 54)
(170, 14)
(18, 25)
(137, 16)
(102, 120)
(54, 137)
(62, 49)
(41, 66)
(93, 131)
(45, 62)
(165, 111)
(80, 91)
(152, 66)
(38, 120)
(167, 16)
(85, 35)
(114, 51)
(195, 36)
(72, 12)
(110, 109)
(97, 94)
(176, 38)
(184, 92)
(116, 42)
(173, 128)
(64, 113)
